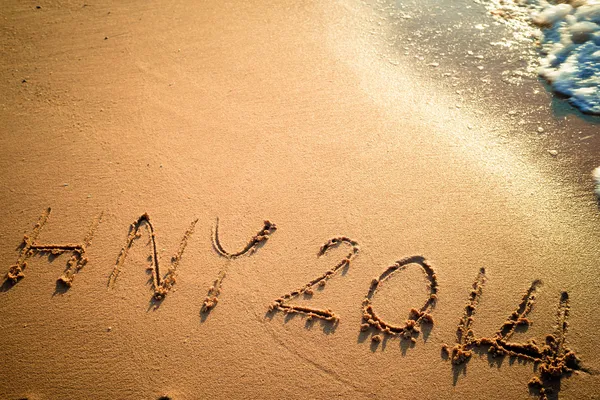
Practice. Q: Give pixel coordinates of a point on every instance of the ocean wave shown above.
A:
(570, 45)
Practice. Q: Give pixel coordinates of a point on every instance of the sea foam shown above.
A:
(596, 176)
(570, 46)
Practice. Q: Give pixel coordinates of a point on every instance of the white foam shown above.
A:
(550, 15)
(570, 47)
(596, 176)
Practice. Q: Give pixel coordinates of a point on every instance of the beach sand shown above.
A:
(278, 111)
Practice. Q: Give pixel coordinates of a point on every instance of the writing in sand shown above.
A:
(553, 359)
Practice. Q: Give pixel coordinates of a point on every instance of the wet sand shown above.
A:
(490, 68)
(292, 114)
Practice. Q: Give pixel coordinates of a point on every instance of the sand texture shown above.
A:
(243, 200)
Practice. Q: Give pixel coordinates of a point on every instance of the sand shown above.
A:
(264, 115)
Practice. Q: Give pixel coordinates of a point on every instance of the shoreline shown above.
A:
(524, 108)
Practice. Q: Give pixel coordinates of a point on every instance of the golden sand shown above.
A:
(174, 116)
